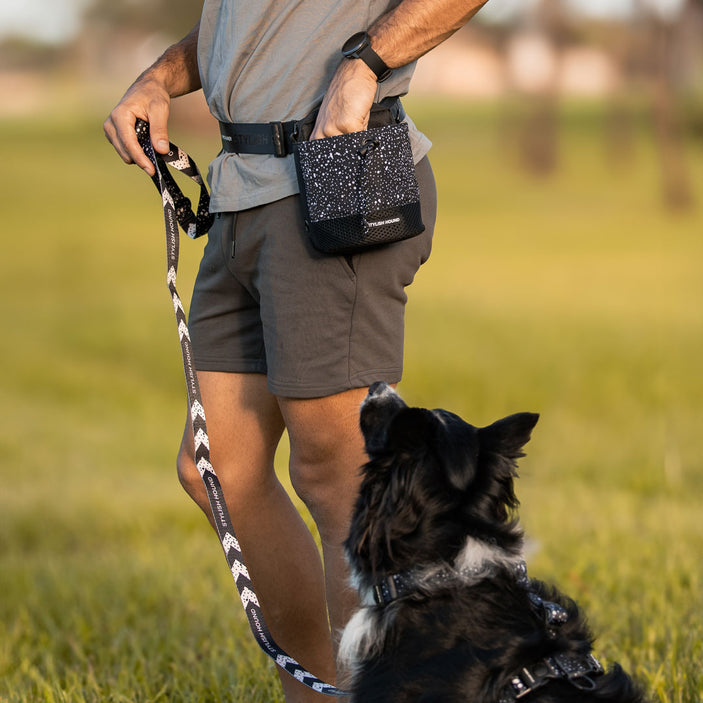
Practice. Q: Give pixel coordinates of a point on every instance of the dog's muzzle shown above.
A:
(377, 410)
(379, 389)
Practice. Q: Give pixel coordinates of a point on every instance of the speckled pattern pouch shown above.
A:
(359, 190)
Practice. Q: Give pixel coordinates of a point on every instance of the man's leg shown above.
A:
(326, 457)
(245, 425)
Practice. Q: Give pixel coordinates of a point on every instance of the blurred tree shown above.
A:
(539, 134)
(663, 33)
(618, 40)
(20, 54)
(171, 17)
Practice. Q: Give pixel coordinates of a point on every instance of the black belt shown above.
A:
(279, 138)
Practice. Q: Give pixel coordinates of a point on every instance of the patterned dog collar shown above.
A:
(403, 583)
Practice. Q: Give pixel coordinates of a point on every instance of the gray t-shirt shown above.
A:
(272, 60)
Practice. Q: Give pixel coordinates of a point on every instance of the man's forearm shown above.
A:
(177, 68)
(414, 27)
(401, 36)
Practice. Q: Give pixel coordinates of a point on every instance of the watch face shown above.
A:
(355, 43)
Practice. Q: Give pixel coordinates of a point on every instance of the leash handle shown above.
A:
(177, 211)
(193, 224)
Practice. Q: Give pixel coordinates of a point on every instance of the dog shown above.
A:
(447, 612)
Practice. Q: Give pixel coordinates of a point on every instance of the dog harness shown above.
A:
(575, 669)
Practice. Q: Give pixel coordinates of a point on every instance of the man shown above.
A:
(286, 337)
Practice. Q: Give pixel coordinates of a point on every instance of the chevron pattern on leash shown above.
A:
(229, 542)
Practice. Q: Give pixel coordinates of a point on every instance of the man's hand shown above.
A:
(149, 98)
(146, 99)
(348, 100)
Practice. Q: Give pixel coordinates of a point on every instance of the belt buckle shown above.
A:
(278, 138)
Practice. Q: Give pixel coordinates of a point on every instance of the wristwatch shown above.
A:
(358, 46)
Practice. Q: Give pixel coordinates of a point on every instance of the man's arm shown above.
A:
(149, 98)
(399, 37)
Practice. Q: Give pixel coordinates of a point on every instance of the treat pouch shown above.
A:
(359, 190)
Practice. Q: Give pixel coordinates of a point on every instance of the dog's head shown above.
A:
(431, 482)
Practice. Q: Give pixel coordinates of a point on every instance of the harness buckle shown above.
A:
(523, 683)
(527, 677)
(552, 667)
(386, 591)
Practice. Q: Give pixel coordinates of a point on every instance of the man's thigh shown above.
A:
(321, 428)
(244, 425)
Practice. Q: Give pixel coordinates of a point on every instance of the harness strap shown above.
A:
(177, 210)
(575, 669)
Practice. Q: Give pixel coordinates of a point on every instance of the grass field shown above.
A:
(574, 295)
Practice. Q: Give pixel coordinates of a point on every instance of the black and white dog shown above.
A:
(448, 613)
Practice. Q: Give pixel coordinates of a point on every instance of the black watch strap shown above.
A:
(358, 46)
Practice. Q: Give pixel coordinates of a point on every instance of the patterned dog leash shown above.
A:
(177, 210)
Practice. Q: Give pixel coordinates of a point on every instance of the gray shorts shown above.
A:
(266, 302)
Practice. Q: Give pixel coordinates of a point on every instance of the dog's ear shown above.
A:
(410, 429)
(508, 436)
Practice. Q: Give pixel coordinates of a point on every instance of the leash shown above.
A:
(177, 210)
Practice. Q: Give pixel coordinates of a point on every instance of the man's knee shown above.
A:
(312, 469)
(326, 454)
(328, 490)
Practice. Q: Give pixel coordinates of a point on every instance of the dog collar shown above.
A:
(399, 585)
(403, 583)
(577, 670)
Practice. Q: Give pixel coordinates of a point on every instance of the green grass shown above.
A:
(575, 295)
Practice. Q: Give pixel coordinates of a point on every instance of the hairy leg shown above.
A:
(245, 426)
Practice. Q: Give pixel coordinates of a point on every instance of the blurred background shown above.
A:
(82, 53)
(565, 279)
